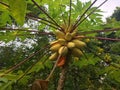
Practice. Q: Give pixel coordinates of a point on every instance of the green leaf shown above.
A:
(24, 80)
(48, 64)
(4, 18)
(3, 7)
(83, 62)
(115, 75)
(3, 79)
(7, 86)
(37, 67)
(18, 10)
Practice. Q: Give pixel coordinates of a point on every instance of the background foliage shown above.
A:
(22, 37)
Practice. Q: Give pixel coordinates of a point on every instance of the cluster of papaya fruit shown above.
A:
(66, 41)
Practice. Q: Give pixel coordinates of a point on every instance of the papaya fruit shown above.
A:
(70, 45)
(77, 52)
(55, 47)
(61, 61)
(59, 34)
(53, 56)
(63, 50)
(78, 43)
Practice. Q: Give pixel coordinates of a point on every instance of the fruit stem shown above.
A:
(52, 71)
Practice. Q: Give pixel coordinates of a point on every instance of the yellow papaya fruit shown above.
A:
(53, 56)
(70, 45)
(59, 34)
(53, 42)
(78, 43)
(55, 47)
(63, 50)
(62, 41)
(76, 52)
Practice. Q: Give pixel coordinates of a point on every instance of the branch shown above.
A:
(4, 4)
(110, 39)
(63, 17)
(31, 67)
(97, 31)
(100, 38)
(36, 19)
(30, 34)
(20, 63)
(30, 15)
(28, 30)
(52, 71)
(46, 14)
(11, 29)
(69, 21)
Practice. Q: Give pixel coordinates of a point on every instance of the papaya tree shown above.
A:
(75, 41)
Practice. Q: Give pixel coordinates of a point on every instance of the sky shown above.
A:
(108, 8)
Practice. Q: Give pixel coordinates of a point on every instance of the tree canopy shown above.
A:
(84, 49)
(116, 14)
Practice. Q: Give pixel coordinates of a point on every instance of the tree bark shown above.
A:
(63, 73)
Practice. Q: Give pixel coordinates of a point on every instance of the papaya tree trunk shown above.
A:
(63, 73)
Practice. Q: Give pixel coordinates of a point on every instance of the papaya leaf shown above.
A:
(7, 86)
(37, 67)
(84, 62)
(18, 10)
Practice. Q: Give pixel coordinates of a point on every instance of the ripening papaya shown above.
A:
(78, 43)
(62, 41)
(61, 61)
(70, 45)
(77, 52)
(63, 50)
(53, 42)
(53, 56)
(55, 47)
(59, 34)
